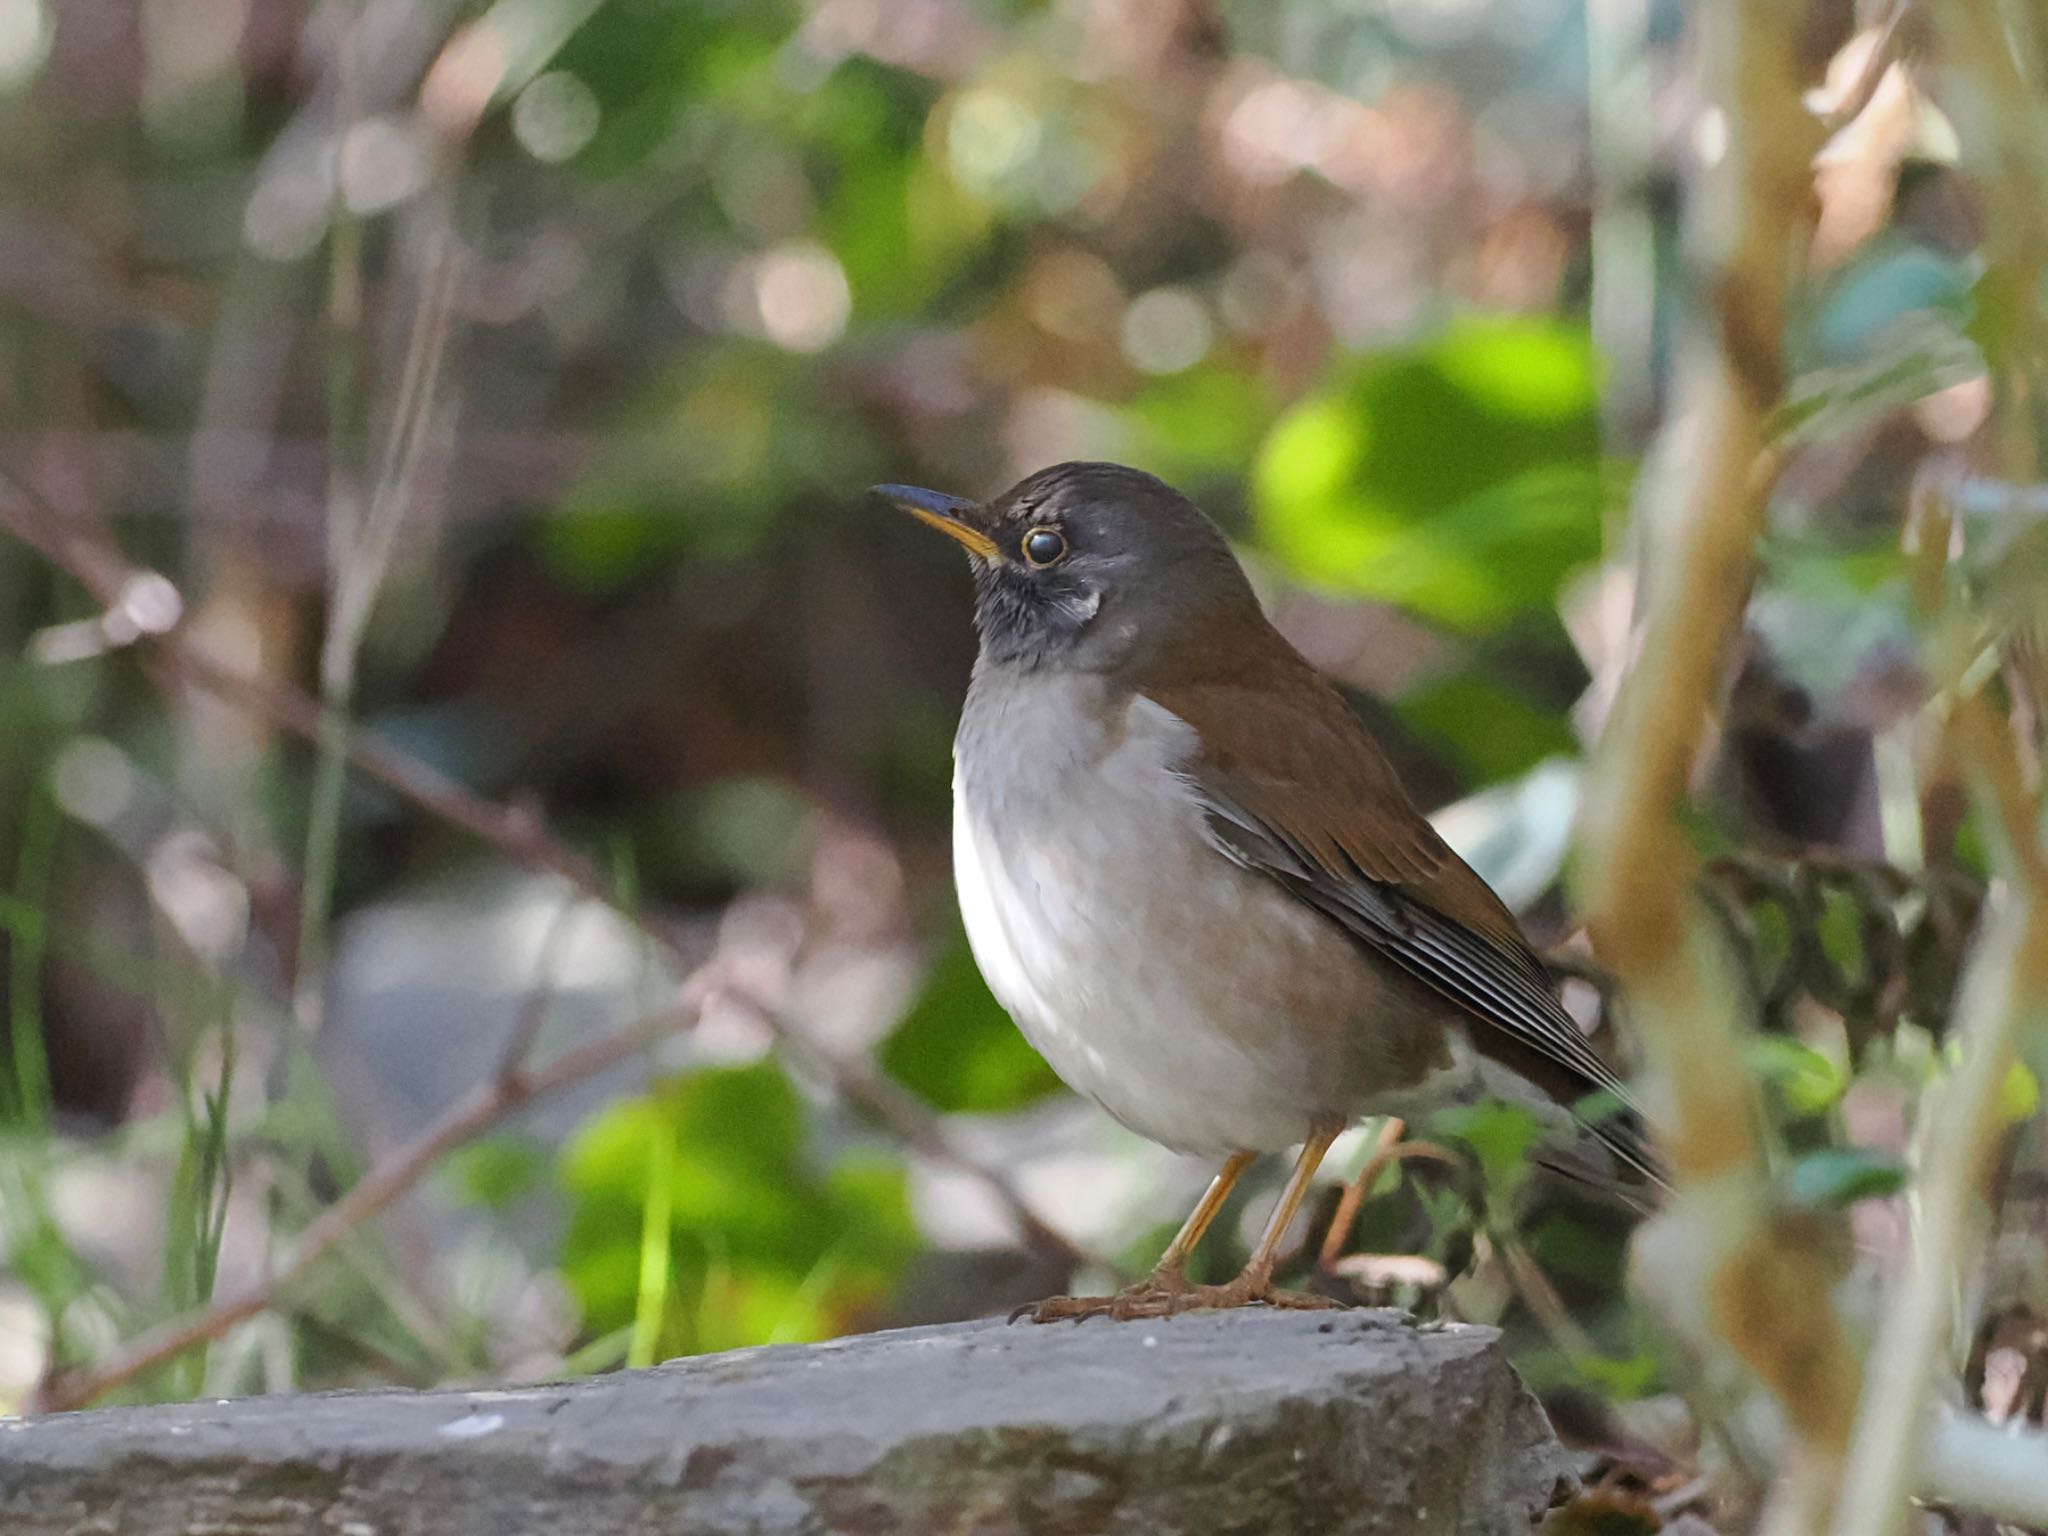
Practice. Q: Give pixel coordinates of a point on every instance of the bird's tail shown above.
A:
(1614, 1158)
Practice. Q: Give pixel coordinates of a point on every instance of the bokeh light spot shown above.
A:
(803, 297)
(991, 137)
(93, 780)
(556, 116)
(382, 163)
(1167, 331)
(287, 213)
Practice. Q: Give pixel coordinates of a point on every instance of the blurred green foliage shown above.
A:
(760, 1243)
(719, 266)
(1841, 1176)
(1460, 478)
(958, 1050)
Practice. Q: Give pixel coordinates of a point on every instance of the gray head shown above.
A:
(1089, 567)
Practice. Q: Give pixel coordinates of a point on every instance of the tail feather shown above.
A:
(1614, 1159)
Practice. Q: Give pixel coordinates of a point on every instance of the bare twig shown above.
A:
(470, 1116)
(360, 549)
(915, 1126)
(2000, 122)
(1338, 1237)
(533, 1013)
(353, 573)
(2008, 975)
(1387, 1149)
(92, 560)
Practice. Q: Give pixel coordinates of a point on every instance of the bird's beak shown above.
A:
(949, 514)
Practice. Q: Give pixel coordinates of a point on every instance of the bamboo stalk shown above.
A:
(1727, 1273)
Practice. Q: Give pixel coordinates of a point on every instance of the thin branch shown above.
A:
(469, 1117)
(91, 560)
(2006, 983)
(2008, 974)
(1338, 1237)
(533, 1013)
(360, 548)
(915, 1126)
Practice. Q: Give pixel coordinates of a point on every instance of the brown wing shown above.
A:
(1296, 790)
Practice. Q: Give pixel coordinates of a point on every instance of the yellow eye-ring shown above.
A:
(1042, 546)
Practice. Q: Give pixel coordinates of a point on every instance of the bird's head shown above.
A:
(1088, 567)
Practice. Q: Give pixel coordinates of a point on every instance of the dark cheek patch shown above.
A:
(1031, 616)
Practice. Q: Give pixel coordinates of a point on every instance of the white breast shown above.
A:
(1199, 1004)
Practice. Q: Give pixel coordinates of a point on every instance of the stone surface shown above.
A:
(1245, 1422)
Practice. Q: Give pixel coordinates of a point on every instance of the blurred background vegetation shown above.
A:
(506, 377)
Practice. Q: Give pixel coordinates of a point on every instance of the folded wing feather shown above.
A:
(1295, 789)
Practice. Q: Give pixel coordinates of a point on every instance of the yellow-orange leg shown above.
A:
(1255, 1282)
(1151, 1295)
(1175, 1259)
(1164, 1292)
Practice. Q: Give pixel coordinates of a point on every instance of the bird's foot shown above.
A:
(1153, 1296)
(1165, 1294)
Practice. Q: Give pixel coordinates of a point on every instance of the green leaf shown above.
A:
(2019, 1096)
(1808, 1082)
(648, 61)
(1568, 1248)
(1494, 733)
(1828, 402)
(1890, 282)
(1893, 327)
(762, 1243)
(497, 1170)
(1623, 1378)
(1460, 478)
(958, 1050)
(1840, 930)
(1840, 1176)
(905, 231)
(1500, 1135)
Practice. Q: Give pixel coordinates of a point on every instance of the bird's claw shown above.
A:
(1166, 1295)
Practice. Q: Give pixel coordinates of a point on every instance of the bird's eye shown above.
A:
(1042, 546)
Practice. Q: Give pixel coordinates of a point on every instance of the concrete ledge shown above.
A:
(1248, 1422)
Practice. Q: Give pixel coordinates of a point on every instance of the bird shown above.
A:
(1199, 887)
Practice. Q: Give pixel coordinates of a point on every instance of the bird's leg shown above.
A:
(1255, 1281)
(1165, 1292)
(1175, 1259)
(1154, 1294)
